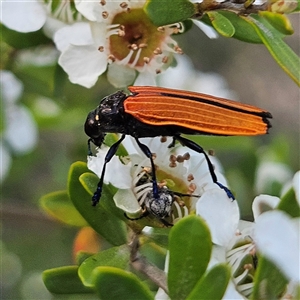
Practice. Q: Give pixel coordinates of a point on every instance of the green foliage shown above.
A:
(99, 218)
(212, 285)
(110, 273)
(114, 283)
(269, 281)
(289, 204)
(190, 251)
(64, 280)
(281, 52)
(243, 31)
(170, 12)
(117, 257)
(221, 24)
(231, 21)
(59, 206)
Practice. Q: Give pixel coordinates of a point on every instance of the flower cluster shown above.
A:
(236, 242)
(182, 174)
(95, 36)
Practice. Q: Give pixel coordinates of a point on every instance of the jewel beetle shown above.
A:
(155, 111)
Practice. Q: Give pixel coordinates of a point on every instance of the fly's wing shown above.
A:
(199, 112)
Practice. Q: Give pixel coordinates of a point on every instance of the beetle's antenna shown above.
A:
(111, 152)
(148, 153)
(190, 144)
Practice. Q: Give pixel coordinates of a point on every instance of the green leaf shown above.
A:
(190, 249)
(281, 52)
(59, 206)
(289, 204)
(278, 21)
(171, 11)
(243, 30)
(64, 280)
(20, 40)
(113, 283)
(159, 236)
(221, 24)
(269, 282)
(213, 285)
(113, 257)
(100, 218)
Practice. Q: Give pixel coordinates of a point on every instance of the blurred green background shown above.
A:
(32, 241)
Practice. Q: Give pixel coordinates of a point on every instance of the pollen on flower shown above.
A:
(163, 139)
(178, 50)
(102, 2)
(186, 156)
(101, 48)
(104, 14)
(133, 46)
(172, 158)
(190, 177)
(158, 71)
(180, 159)
(111, 58)
(165, 59)
(192, 187)
(162, 183)
(172, 165)
(157, 51)
(121, 32)
(123, 5)
(143, 45)
(248, 266)
(211, 152)
(146, 60)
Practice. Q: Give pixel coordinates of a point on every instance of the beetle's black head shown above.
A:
(107, 117)
(92, 128)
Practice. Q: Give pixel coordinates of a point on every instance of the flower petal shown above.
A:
(145, 78)
(11, 87)
(270, 172)
(21, 131)
(126, 200)
(23, 16)
(208, 30)
(78, 34)
(263, 203)
(120, 76)
(116, 173)
(221, 214)
(83, 64)
(277, 236)
(93, 10)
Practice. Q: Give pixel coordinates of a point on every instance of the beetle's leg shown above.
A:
(172, 144)
(111, 152)
(192, 145)
(148, 153)
(90, 153)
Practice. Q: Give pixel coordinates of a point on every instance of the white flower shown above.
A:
(270, 173)
(28, 16)
(120, 37)
(277, 235)
(181, 170)
(20, 130)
